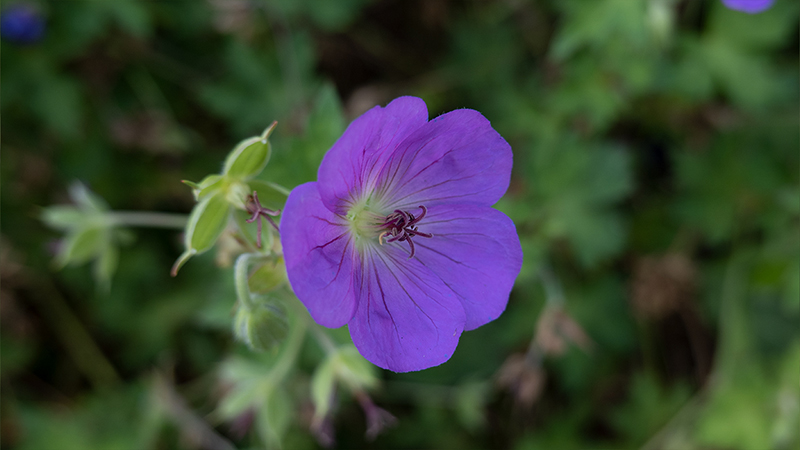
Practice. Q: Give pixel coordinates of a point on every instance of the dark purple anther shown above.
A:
(402, 226)
(254, 207)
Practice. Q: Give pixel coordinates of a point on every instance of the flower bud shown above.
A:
(206, 222)
(267, 276)
(262, 327)
(249, 157)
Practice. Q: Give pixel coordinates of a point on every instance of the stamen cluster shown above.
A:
(402, 226)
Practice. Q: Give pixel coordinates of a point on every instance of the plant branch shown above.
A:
(148, 219)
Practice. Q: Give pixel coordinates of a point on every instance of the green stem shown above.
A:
(148, 219)
(290, 352)
(729, 353)
(552, 287)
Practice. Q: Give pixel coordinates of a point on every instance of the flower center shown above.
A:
(401, 226)
(398, 226)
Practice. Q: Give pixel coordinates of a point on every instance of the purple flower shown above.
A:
(398, 239)
(21, 24)
(749, 6)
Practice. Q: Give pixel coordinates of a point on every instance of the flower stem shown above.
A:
(293, 345)
(240, 278)
(148, 219)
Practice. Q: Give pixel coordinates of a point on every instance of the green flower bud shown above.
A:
(206, 222)
(249, 157)
(262, 327)
(267, 276)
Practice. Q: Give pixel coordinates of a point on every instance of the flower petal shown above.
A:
(456, 157)
(749, 6)
(407, 319)
(352, 165)
(475, 250)
(319, 255)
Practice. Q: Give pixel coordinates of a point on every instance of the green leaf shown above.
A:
(322, 385)
(249, 157)
(470, 404)
(648, 408)
(86, 199)
(62, 217)
(132, 16)
(59, 104)
(82, 245)
(105, 266)
(274, 418)
(209, 185)
(353, 370)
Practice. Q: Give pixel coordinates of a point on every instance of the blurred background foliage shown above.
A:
(655, 190)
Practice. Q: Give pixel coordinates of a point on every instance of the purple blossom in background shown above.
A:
(749, 6)
(398, 239)
(21, 24)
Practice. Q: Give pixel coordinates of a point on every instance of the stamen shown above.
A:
(401, 226)
(254, 207)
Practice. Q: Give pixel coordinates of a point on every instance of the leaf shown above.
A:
(105, 266)
(86, 200)
(82, 245)
(274, 418)
(353, 370)
(322, 384)
(59, 104)
(648, 408)
(62, 217)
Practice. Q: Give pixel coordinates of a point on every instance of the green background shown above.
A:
(655, 190)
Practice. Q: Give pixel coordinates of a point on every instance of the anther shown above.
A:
(401, 226)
